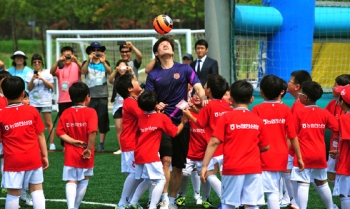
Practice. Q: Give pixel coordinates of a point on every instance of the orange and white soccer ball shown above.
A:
(163, 24)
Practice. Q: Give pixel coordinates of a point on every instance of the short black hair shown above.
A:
(341, 99)
(123, 84)
(4, 74)
(271, 86)
(201, 42)
(241, 92)
(67, 48)
(343, 79)
(24, 63)
(114, 92)
(124, 47)
(120, 61)
(13, 87)
(78, 92)
(312, 90)
(37, 57)
(285, 87)
(26, 95)
(217, 85)
(301, 76)
(147, 101)
(164, 38)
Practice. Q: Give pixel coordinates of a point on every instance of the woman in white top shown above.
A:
(40, 83)
(120, 68)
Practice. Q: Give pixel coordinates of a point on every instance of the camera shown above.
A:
(68, 57)
(60, 65)
(97, 54)
(142, 85)
(121, 42)
(36, 72)
(123, 67)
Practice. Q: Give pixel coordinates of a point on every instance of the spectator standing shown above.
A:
(126, 51)
(19, 66)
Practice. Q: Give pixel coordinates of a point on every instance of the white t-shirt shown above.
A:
(40, 95)
(118, 102)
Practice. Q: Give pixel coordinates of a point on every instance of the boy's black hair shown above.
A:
(227, 87)
(164, 38)
(67, 48)
(26, 95)
(271, 86)
(301, 76)
(78, 92)
(217, 85)
(123, 84)
(285, 87)
(124, 47)
(345, 103)
(201, 42)
(4, 74)
(241, 92)
(312, 90)
(147, 100)
(114, 92)
(343, 79)
(12, 87)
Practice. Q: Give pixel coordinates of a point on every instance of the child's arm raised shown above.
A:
(87, 152)
(43, 148)
(184, 120)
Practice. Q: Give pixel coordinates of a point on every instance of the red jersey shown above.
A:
(335, 110)
(19, 128)
(343, 166)
(297, 105)
(151, 126)
(77, 122)
(209, 117)
(3, 104)
(130, 132)
(242, 135)
(198, 141)
(279, 123)
(311, 123)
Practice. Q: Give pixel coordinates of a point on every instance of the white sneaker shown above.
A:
(284, 203)
(199, 201)
(164, 205)
(118, 152)
(173, 206)
(27, 199)
(52, 147)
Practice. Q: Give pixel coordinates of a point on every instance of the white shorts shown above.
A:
(290, 162)
(331, 164)
(128, 162)
(151, 171)
(192, 164)
(309, 175)
(271, 181)
(22, 179)
(242, 189)
(76, 174)
(342, 185)
(214, 160)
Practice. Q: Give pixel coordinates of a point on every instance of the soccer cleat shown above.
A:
(199, 201)
(220, 206)
(121, 207)
(27, 199)
(148, 203)
(180, 201)
(164, 205)
(207, 204)
(52, 147)
(117, 152)
(335, 206)
(4, 191)
(100, 148)
(284, 203)
(290, 206)
(138, 206)
(173, 206)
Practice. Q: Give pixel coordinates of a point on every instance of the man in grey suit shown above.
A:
(203, 65)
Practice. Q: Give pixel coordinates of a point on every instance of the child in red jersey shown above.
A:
(128, 87)
(278, 121)
(342, 180)
(215, 89)
(334, 108)
(25, 151)
(311, 122)
(77, 127)
(241, 133)
(148, 165)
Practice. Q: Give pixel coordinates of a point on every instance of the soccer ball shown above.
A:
(163, 24)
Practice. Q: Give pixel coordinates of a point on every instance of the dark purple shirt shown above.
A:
(171, 87)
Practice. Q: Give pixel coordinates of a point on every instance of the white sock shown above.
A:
(344, 201)
(252, 207)
(165, 197)
(157, 193)
(314, 186)
(140, 190)
(171, 200)
(81, 190)
(215, 184)
(71, 192)
(286, 194)
(289, 185)
(196, 182)
(183, 186)
(295, 201)
(303, 195)
(150, 190)
(273, 200)
(38, 199)
(128, 189)
(331, 182)
(280, 189)
(206, 190)
(325, 193)
(11, 201)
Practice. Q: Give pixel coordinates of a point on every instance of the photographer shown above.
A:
(96, 69)
(125, 49)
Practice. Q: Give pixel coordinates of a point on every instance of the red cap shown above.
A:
(344, 92)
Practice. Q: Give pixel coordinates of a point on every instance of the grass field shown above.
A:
(105, 186)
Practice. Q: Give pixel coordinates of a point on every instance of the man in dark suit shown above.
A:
(203, 65)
